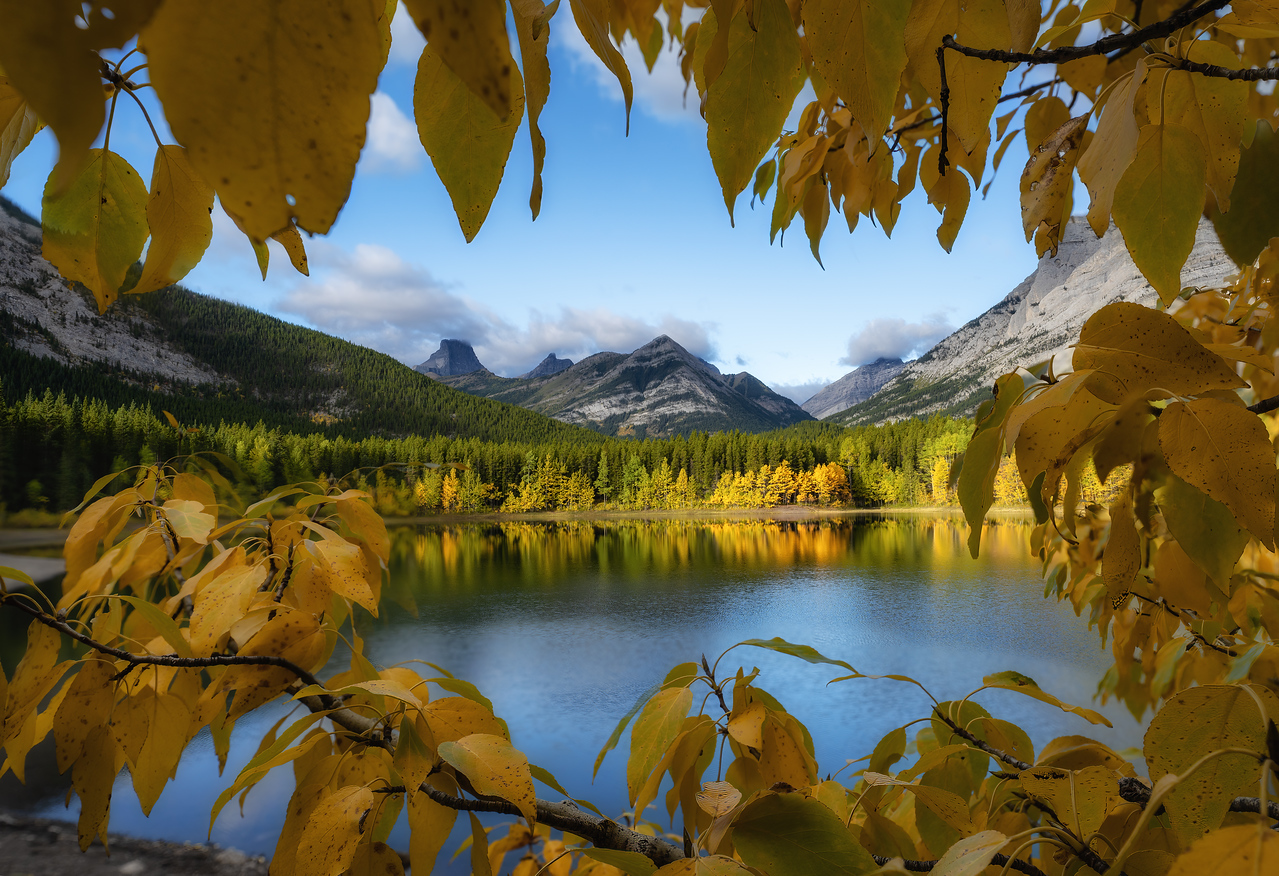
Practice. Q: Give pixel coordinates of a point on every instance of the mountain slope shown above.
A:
(1037, 320)
(207, 360)
(452, 358)
(660, 389)
(855, 386)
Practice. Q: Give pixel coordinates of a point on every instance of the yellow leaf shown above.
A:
(971, 855)
(857, 47)
(334, 831)
(451, 718)
(782, 757)
(495, 768)
(291, 240)
(929, 21)
(592, 20)
(87, 705)
(1193, 723)
(747, 105)
(95, 228)
(479, 849)
(468, 145)
(655, 729)
(976, 485)
(293, 635)
(1111, 151)
(1024, 684)
(1223, 450)
(271, 101)
(376, 859)
(414, 756)
(1047, 181)
(533, 31)
(92, 776)
(221, 602)
(1139, 348)
(949, 193)
(429, 826)
(1231, 851)
(36, 674)
(18, 125)
(470, 38)
(1023, 23)
(747, 725)
(1122, 558)
(158, 759)
(178, 215)
(366, 523)
(51, 63)
(974, 83)
(1158, 202)
(343, 566)
(1213, 108)
(189, 519)
(1079, 797)
(718, 798)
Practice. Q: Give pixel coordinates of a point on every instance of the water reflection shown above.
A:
(564, 624)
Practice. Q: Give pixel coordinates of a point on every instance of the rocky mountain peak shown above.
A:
(854, 387)
(549, 366)
(451, 359)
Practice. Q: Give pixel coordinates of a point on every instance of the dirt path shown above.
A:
(42, 847)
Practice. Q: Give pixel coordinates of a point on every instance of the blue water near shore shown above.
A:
(563, 625)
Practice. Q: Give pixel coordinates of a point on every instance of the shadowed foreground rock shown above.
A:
(43, 847)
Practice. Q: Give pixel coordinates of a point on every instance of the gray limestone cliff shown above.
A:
(1038, 320)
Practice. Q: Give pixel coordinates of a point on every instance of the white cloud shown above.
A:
(660, 93)
(373, 297)
(407, 41)
(392, 143)
(799, 392)
(895, 338)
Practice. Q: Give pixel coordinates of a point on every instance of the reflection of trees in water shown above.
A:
(460, 556)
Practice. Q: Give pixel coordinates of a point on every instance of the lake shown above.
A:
(563, 624)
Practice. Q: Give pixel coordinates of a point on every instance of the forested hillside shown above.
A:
(54, 447)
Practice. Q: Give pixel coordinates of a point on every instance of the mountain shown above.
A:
(451, 359)
(1036, 321)
(855, 386)
(207, 360)
(660, 389)
(548, 366)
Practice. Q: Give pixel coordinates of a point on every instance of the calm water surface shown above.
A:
(563, 625)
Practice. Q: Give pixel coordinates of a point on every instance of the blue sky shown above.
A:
(633, 240)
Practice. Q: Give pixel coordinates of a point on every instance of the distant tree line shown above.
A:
(53, 448)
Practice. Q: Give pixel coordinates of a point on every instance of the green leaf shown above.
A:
(748, 103)
(94, 231)
(654, 731)
(630, 863)
(803, 652)
(793, 835)
(16, 575)
(163, 624)
(468, 144)
(1253, 218)
(1024, 684)
(976, 486)
(1158, 202)
(621, 726)
(1204, 528)
(971, 855)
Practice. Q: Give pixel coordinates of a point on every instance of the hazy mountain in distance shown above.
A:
(855, 386)
(547, 367)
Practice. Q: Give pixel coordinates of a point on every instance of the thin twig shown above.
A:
(984, 746)
(942, 161)
(998, 861)
(1266, 405)
(1118, 41)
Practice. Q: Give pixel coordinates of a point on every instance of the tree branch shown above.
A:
(1266, 405)
(1247, 74)
(998, 861)
(1114, 42)
(942, 161)
(984, 746)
